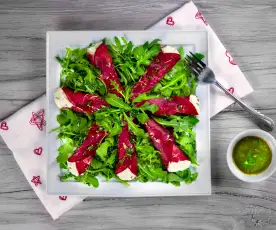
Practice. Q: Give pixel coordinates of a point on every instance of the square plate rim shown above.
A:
(51, 33)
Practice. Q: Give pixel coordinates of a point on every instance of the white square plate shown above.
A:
(195, 41)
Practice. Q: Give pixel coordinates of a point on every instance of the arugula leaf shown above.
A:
(147, 106)
(127, 94)
(181, 77)
(103, 148)
(109, 119)
(130, 61)
(59, 60)
(91, 181)
(143, 97)
(110, 162)
(147, 173)
(115, 130)
(200, 56)
(179, 123)
(121, 181)
(118, 43)
(138, 52)
(179, 81)
(133, 127)
(88, 179)
(147, 155)
(174, 179)
(96, 164)
(116, 101)
(62, 119)
(181, 52)
(65, 150)
(191, 178)
(108, 173)
(187, 143)
(77, 73)
(142, 117)
(73, 126)
(66, 116)
(67, 177)
(140, 112)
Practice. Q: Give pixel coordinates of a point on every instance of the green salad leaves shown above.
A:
(130, 62)
(77, 73)
(179, 81)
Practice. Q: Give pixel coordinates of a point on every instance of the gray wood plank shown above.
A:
(248, 30)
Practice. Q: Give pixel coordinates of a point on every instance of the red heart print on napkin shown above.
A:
(36, 180)
(230, 59)
(62, 197)
(170, 21)
(231, 90)
(38, 151)
(200, 16)
(38, 119)
(4, 126)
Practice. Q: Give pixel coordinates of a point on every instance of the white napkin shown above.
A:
(225, 68)
(24, 131)
(24, 134)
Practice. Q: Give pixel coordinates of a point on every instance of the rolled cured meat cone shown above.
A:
(78, 101)
(126, 168)
(83, 155)
(173, 158)
(161, 64)
(99, 56)
(175, 105)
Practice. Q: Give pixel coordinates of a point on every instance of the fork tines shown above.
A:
(195, 65)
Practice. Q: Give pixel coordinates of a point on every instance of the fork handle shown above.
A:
(261, 120)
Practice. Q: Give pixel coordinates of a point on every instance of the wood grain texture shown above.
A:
(248, 30)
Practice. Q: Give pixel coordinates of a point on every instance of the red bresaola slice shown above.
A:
(175, 105)
(99, 56)
(78, 101)
(126, 168)
(83, 155)
(173, 158)
(79, 167)
(160, 65)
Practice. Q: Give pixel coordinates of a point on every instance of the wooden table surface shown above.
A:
(248, 30)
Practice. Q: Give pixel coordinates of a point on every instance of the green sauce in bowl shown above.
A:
(252, 155)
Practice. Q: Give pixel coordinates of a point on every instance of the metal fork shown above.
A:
(205, 74)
